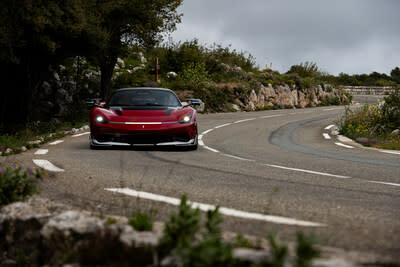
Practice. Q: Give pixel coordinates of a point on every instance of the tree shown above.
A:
(127, 22)
(33, 35)
(395, 74)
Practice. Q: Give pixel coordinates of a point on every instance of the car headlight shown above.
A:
(100, 119)
(185, 119)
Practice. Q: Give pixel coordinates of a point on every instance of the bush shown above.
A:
(140, 221)
(16, 185)
(192, 243)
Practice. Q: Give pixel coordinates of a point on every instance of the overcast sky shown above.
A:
(351, 36)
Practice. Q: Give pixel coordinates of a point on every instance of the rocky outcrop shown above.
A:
(284, 96)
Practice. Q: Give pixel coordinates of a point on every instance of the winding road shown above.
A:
(278, 170)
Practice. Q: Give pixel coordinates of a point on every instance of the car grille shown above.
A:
(143, 139)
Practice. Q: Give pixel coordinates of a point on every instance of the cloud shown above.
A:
(352, 36)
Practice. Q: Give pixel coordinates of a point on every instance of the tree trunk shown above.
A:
(107, 65)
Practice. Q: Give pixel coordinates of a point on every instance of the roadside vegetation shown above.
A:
(17, 184)
(34, 135)
(375, 125)
(192, 241)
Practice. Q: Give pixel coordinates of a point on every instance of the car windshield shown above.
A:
(144, 97)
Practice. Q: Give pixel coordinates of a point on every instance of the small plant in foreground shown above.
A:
(192, 243)
(140, 221)
(305, 250)
(16, 185)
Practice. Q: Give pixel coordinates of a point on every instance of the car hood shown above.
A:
(147, 115)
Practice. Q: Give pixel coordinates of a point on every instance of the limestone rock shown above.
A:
(395, 132)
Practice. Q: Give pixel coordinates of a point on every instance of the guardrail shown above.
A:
(369, 90)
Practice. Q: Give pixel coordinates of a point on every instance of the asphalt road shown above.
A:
(271, 162)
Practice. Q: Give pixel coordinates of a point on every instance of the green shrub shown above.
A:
(306, 250)
(140, 221)
(16, 185)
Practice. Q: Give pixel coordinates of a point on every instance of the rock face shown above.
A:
(48, 236)
(284, 96)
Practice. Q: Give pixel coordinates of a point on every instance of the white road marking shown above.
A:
(377, 182)
(56, 142)
(41, 152)
(200, 142)
(326, 136)
(329, 109)
(308, 171)
(271, 116)
(329, 126)
(223, 125)
(239, 121)
(206, 132)
(77, 135)
(47, 165)
(211, 149)
(343, 145)
(222, 210)
(236, 157)
(390, 152)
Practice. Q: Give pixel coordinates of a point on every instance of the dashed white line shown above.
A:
(206, 132)
(390, 152)
(47, 165)
(56, 142)
(329, 126)
(239, 121)
(239, 158)
(211, 149)
(223, 125)
(271, 116)
(329, 109)
(326, 136)
(385, 183)
(77, 135)
(222, 210)
(307, 171)
(343, 145)
(41, 152)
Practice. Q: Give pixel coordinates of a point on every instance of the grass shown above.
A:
(140, 221)
(42, 132)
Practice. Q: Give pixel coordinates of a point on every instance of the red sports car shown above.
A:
(143, 116)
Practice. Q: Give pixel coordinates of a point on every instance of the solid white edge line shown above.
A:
(56, 142)
(271, 116)
(385, 183)
(77, 135)
(329, 126)
(206, 132)
(211, 149)
(239, 121)
(223, 125)
(47, 165)
(222, 210)
(390, 152)
(326, 136)
(41, 152)
(343, 145)
(239, 158)
(308, 171)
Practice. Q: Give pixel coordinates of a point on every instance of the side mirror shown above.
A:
(95, 102)
(185, 104)
(194, 102)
